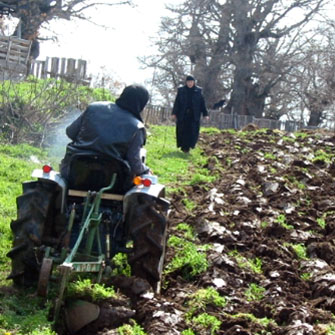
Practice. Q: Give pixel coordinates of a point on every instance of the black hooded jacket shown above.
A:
(109, 129)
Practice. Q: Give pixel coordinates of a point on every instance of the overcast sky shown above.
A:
(117, 47)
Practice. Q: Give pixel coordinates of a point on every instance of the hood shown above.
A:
(133, 99)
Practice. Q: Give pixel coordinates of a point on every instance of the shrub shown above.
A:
(29, 107)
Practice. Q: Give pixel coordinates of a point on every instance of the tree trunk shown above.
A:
(315, 118)
(240, 88)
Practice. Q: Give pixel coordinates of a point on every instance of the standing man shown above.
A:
(187, 110)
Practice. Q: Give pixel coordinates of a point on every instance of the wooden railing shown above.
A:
(73, 70)
(14, 54)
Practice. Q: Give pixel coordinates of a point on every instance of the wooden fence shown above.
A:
(14, 54)
(72, 70)
(217, 119)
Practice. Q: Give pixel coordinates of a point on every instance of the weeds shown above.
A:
(189, 258)
(203, 323)
(264, 224)
(202, 298)
(254, 264)
(121, 265)
(23, 312)
(270, 156)
(188, 332)
(322, 221)
(86, 289)
(254, 292)
(133, 329)
(208, 322)
(306, 276)
(262, 321)
(322, 157)
(189, 204)
(281, 219)
(299, 249)
(330, 329)
(187, 230)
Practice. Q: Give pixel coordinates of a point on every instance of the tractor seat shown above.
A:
(93, 172)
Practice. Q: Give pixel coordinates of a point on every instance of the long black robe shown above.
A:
(188, 107)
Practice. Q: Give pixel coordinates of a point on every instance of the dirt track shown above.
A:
(274, 191)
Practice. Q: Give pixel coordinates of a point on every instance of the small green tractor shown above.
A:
(80, 224)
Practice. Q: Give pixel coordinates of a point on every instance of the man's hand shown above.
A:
(206, 118)
(173, 117)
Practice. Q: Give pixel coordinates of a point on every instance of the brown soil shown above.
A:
(272, 192)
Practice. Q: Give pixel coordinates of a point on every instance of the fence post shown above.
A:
(44, 66)
(54, 67)
(70, 69)
(235, 119)
(81, 71)
(62, 67)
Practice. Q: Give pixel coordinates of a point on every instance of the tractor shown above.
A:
(78, 224)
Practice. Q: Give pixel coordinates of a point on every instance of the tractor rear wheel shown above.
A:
(32, 209)
(148, 232)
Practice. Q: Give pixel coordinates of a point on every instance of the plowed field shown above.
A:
(268, 223)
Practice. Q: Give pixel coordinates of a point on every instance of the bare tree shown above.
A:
(32, 14)
(317, 78)
(237, 38)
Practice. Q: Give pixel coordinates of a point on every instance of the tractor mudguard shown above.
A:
(52, 176)
(55, 177)
(155, 190)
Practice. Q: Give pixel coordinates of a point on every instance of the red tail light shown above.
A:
(141, 181)
(146, 182)
(46, 168)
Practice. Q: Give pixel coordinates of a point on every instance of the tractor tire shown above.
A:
(32, 209)
(148, 231)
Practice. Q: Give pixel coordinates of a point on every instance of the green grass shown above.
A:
(299, 249)
(203, 298)
(254, 292)
(262, 321)
(131, 329)
(254, 264)
(330, 329)
(323, 157)
(121, 265)
(189, 259)
(23, 313)
(175, 168)
(306, 276)
(281, 219)
(189, 204)
(13, 171)
(187, 230)
(86, 289)
(207, 323)
(270, 156)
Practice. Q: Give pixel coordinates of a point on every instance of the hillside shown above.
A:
(250, 247)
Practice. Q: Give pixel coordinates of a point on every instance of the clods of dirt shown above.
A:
(268, 219)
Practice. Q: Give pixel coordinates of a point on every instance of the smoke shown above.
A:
(56, 139)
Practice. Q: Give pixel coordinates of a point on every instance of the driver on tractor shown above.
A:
(111, 130)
